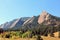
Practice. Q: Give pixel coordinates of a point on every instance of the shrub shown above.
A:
(1, 30)
(7, 36)
(35, 36)
(52, 35)
(59, 34)
(39, 37)
(27, 34)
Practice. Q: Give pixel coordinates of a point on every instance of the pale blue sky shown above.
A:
(12, 9)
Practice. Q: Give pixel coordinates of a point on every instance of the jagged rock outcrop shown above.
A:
(28, 21)
(44, 16)
(14, 24)
(48, 19)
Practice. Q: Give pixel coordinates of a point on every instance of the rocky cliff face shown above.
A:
(43, 17)
(14, 24)
(48, 19)
(32, 20)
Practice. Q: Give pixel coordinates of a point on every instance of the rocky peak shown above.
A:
(30, 20)
(48, 19)
(44, 16)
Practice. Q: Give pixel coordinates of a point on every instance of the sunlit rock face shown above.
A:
(44, 16)
(29, 20)
(14, 24)
(48, 19)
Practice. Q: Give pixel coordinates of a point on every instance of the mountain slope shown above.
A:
(32, 20)
(27, 22)
(48, 19)
(14, 24)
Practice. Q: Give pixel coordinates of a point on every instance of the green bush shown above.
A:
(27, 34)
(16, 34)
(11, 34)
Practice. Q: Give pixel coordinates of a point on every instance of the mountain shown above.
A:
(29, 22)
(32, 20)
(48, 19)
(6, 25)
(14, 24)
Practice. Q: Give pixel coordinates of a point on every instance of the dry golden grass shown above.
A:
(18, 39)
(44, 38)
(56, 34)
(50, 38)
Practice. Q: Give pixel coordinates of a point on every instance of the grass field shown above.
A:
(44, 38)
(50, 38)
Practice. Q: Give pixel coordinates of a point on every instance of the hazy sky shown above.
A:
(12, 9)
